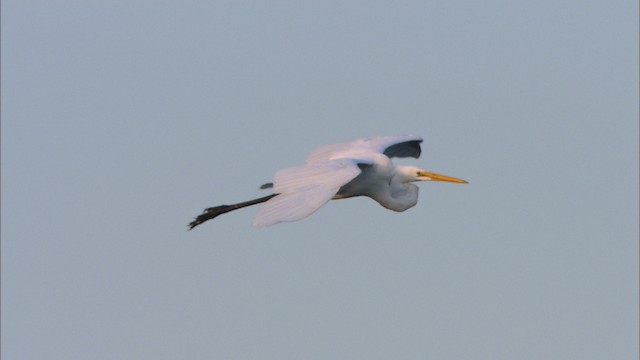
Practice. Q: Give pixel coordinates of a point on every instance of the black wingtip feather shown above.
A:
(404, 149)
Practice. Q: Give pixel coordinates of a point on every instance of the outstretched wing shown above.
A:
(391, 146)
(304, 189)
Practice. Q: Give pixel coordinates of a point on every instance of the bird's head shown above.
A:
(411, 173)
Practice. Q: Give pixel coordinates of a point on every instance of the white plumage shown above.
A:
(362, 167)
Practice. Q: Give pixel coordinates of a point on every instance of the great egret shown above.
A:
(361, 167)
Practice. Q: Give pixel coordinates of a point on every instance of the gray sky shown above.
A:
(121, 120)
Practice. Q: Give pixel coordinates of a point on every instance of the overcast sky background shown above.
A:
(122, 120)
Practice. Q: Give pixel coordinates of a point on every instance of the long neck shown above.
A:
(400, 197)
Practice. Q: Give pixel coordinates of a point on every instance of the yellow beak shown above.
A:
(438, 177)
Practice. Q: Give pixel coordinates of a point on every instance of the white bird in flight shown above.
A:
(361, 167)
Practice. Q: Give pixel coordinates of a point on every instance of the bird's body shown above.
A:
(383, 183)
(361, 167)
